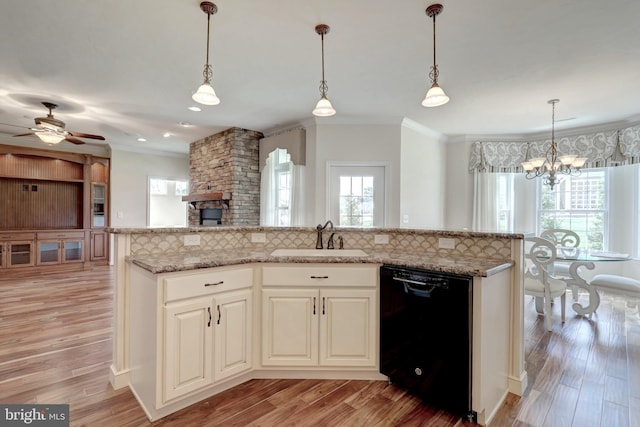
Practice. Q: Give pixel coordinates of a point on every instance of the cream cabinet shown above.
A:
(190, 333)
(206, 340)
(188, 347)
(319, 315)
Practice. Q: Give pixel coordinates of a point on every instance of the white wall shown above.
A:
(129, 179)
(357, 143)
(422, 179)
(458, 205)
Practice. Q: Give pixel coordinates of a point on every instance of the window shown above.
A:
(356, 195)
(356, 201)
(157, 186)
(578, 203)
(281, 190)
(505, 199)
(166, 208)
(182, 188)
(282, 171)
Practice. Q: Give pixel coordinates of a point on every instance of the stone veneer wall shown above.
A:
(406, 241)
(227, 162)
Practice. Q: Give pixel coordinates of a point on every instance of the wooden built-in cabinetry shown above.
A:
(16, 250)
(55, 208)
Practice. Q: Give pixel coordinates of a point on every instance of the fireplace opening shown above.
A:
(210, 216)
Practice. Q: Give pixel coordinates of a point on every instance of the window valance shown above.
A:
(602, 149)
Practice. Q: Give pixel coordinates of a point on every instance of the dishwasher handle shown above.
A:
(422, 293)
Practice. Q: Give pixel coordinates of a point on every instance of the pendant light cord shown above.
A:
(323, 85)
(208, 26)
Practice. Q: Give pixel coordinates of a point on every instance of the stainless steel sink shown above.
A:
(319, 252)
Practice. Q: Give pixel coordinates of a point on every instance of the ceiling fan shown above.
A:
(51, 130)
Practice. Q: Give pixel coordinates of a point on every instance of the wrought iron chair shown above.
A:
(538, 282)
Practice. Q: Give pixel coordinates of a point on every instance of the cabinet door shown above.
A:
(347, 327)
(48, 252)
(98, 206)
(232, 333)
(72, 250)
(289, 327)
(98, 245)
(19, 254)
(187, 346)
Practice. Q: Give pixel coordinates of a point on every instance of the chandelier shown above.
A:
(435, 95)
(552, 165)
(205, 93)
(323, 107)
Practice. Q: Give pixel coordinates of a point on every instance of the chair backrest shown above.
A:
(542, 254)
(562, 237)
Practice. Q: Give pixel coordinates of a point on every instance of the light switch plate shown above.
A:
(258, 237)
(381, 239)
(444, 243)
(191, 240)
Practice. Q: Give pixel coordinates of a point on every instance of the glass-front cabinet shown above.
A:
(99, 205)
(16, 250)
(60, 247)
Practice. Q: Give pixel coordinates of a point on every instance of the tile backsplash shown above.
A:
(465, 244)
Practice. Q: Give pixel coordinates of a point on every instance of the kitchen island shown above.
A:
(158, 276)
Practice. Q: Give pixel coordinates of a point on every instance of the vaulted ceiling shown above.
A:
(127, 69)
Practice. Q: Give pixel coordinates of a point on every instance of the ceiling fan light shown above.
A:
(435, 97)
(324, 108)
(206, 95)
(50, 137)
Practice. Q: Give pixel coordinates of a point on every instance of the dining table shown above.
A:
(579, 257)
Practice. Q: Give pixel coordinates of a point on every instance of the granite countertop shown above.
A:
(165, 263)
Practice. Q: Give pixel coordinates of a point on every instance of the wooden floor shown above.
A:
(56, 340)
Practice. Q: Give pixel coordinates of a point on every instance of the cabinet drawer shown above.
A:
(193, 284)
(16, 236)
(320, 275)
(53, 235)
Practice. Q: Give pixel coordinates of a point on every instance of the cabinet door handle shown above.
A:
(219, 314)
(319, 277)
(209, 310)
(314, 305)
(214, 284)
(323, 306)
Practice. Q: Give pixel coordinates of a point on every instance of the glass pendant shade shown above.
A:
(324, 108)
(206, 95)
(435, 97)
(50, 137)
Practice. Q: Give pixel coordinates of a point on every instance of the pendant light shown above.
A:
(205, 93)
(435, 96)
(323, 107)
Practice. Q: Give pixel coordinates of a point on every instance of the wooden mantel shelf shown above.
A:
(205, 197)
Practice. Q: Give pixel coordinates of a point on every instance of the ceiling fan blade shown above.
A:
(25, 134)
(86, 135)
(15, 126)
(73, 140)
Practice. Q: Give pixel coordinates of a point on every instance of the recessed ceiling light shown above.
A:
(166, 134)
(142, 140)
(194, 108)
(185, 124)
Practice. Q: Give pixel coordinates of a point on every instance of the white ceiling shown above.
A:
(127, 69)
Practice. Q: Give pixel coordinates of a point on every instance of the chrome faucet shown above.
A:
(320, 229)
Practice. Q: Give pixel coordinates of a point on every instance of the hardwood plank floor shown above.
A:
(56, 342)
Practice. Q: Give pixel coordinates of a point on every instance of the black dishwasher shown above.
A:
(425, 335)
